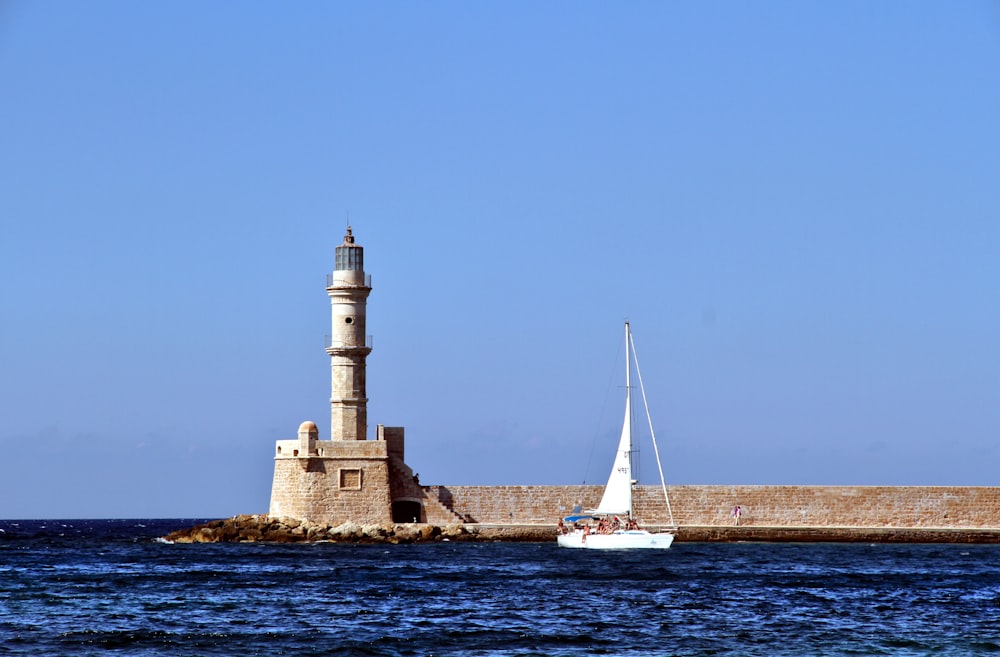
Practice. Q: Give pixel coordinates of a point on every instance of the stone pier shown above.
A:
(949, 507)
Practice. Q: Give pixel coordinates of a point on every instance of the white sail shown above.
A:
(617, 499)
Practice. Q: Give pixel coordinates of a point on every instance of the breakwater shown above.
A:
(874, 514)
(927, 507)
(261, 528)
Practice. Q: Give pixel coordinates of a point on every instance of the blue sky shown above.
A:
(796, 204)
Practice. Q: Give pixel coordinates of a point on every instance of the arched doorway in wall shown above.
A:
(407, 511)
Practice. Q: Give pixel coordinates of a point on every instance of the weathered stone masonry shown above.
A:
(776, 506)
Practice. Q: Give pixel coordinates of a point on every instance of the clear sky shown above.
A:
(796, 204)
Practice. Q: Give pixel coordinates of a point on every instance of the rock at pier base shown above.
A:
(263, 528)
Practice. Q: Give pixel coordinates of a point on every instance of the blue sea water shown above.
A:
(81, 587)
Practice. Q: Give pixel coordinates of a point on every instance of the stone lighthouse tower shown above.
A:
(348, 477)
(349, 346)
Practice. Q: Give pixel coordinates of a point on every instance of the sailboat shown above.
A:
(616, 528)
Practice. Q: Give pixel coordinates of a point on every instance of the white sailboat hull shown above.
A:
(632, 539)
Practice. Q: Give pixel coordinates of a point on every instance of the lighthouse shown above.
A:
(348, 288)
(349, 476)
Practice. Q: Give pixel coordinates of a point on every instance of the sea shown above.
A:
(111, 587)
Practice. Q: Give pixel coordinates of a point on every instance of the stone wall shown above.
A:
(334, 481)
(781, 506)
(332, 490)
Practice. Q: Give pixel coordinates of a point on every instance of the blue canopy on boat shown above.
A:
(579, 518)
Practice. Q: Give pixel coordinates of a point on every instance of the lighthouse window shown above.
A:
(348, 320)
(349, 259)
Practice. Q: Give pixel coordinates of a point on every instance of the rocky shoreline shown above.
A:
(262, 528)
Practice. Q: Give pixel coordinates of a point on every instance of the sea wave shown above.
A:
(83, 589)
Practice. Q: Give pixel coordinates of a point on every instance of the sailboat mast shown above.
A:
(617, 498)
(628, 413)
